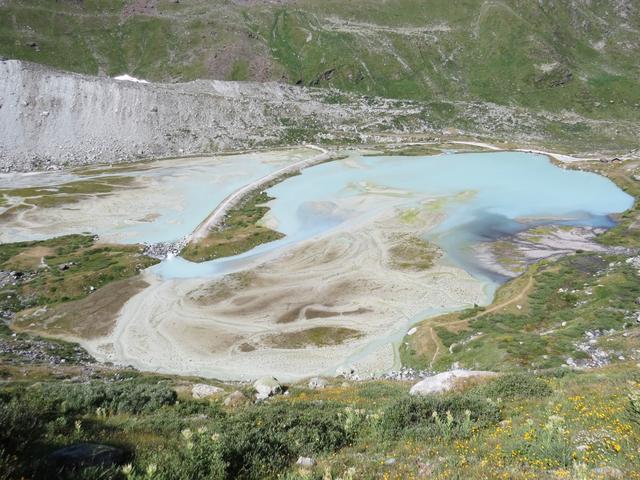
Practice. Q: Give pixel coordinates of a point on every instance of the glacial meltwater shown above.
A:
(482, 196)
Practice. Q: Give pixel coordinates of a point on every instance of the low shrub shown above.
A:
(22, 422)
(431, 416)
(547, 444)
(198, 457)
(121, 397)
(515, 385)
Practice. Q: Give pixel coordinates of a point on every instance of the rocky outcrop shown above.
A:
(50, 118)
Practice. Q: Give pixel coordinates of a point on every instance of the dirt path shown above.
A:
(218, 214)
(499, 306)
(435, 341)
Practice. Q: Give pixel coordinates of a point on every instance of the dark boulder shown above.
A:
(85, 455)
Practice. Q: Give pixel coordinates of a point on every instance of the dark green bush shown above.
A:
(126, 397)
(515, 385)
(198, 457)
(22, 422)
(260, 442)
(431, 416)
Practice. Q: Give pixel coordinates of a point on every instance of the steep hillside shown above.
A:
(50, 118)
(53, 118)
(574, 55)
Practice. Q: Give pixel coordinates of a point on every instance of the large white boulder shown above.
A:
(267, 387)
(445, 381)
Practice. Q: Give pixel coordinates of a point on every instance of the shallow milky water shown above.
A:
(484, 195)
(179, 193)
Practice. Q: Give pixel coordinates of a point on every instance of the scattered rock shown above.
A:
(267, 387)
(445, 381)
(390, 461)
(608, 472)
(86, 455)
(404, 374)
(306, 462)
(317, 383)
(202, 390)
(235, 399)
(164, 250)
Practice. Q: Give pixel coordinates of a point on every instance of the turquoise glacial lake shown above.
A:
(483, 196)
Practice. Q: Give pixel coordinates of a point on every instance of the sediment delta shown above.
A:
(224, 328)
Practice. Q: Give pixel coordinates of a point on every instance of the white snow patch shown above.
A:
(129, 78)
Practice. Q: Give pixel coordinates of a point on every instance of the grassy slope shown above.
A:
(63, 269)
(557, 425)
(558, 56)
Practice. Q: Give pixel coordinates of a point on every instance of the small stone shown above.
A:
(608, 472)
(202, 390)
(390, 461)
(317, 383)
(235, 399)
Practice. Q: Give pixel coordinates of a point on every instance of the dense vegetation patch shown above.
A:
(580, 421)
(435, 416)
(515, 385)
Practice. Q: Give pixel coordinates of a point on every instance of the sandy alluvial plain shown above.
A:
(328, 302)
